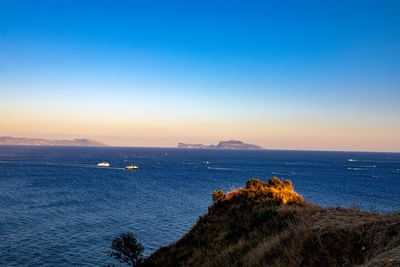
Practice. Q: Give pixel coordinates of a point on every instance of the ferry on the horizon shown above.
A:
(103, 164)
(132, 168)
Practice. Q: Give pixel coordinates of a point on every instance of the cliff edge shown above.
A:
(269, 224)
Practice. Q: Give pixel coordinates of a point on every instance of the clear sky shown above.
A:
(280, 74)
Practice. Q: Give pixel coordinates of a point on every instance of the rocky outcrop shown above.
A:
(183, 145)
(232, 144)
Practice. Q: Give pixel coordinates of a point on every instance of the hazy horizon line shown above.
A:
(172, 147)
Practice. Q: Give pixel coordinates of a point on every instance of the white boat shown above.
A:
(132, 168)
(103, 164)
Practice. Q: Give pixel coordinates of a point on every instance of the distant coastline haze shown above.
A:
(7, 140)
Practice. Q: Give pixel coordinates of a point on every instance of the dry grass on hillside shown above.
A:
(253, 226)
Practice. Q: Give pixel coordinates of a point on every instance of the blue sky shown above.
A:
(282, 74)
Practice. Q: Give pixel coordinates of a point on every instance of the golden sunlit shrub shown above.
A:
(273, 192)
(218, 195)
(255, 184)
(287, 183)
(275, 182)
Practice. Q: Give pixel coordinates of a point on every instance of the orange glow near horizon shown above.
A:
(166, 131)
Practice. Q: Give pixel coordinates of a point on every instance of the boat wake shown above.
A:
(357, 169)
(224, 169)
(78, 165)
(283, 173)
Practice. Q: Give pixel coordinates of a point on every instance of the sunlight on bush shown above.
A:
(274, 191)
(218, 195)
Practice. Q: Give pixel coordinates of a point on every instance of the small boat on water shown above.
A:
(103, 164)
(132, 168)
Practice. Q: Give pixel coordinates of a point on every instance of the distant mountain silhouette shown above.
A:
(232, 144)
(7, 140)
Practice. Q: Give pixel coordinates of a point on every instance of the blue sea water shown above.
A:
(57, 208)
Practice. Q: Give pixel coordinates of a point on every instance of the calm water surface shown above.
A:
(57, 208)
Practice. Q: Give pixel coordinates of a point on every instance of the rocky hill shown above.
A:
(232, 144)
(183, 145)
(268, 224)
(6, 140)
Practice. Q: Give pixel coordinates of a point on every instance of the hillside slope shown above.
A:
(268, 224)
(7, 140)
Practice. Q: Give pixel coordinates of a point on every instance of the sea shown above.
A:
(58, 208)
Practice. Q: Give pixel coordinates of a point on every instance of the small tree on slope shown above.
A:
(127, 249)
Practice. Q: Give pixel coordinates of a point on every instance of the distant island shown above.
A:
(232, 144)
(7, 140)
